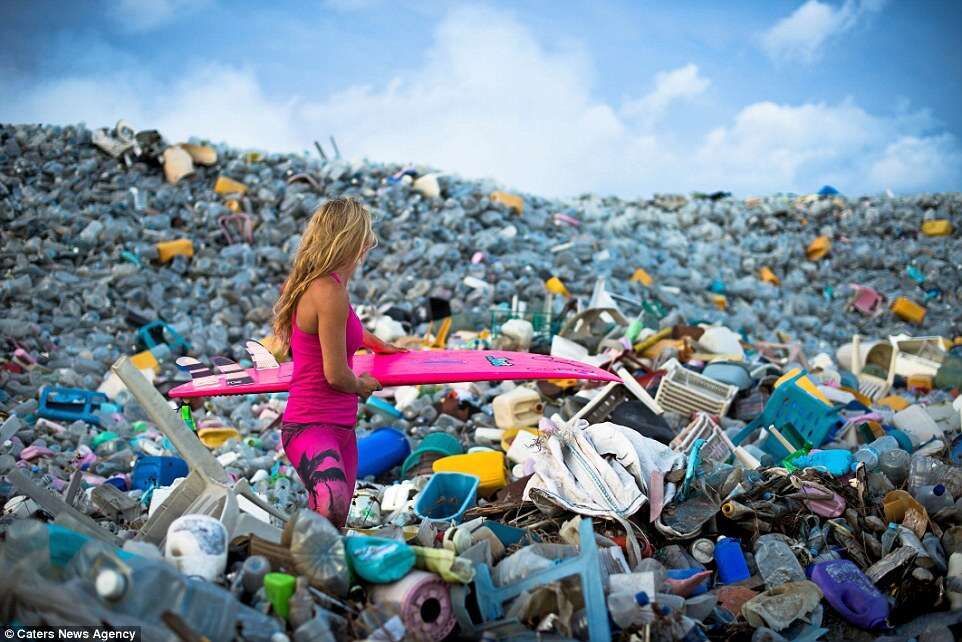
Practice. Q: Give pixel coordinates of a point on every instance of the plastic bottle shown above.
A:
(926, 471)
(253, 571)
(870, 453)
(934, 548)
(894, 464)
(730, 561)
(776, 562)
(851, 593)
(630, 610)
(955, 571)
(888, 538)
(301, 604)
(934, 498)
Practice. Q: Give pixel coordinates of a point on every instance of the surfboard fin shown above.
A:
(200, 375)
(261, 356)
(234, 374)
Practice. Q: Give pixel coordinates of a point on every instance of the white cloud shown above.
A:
(489, 100)
(802, 35)
(670, 86)
(146, 15)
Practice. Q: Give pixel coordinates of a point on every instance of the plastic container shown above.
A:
(851, 593)
(157, 471)
(439, 443)
(917, 424)
(776, 562)
(487, 466)
(730, 561)
(908, 310)
(630, 610)
(934, 498)
(381, 451)
(894, 464)
(869, 454)
(446, 497)
(517, 408)
(279, 588)
(166, 250)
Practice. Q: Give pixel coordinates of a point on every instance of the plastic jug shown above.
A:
(517, 408)
(730, 561)
(934, 498)
(381, 451)
(487, 466)
(894, 464)
(851, 593)
(869, 454)
(776, 562)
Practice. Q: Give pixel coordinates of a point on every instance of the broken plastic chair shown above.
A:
(599, 409)
(71, 404)
(207, 489)
(790, 404)
(586, 565)
(685, 392)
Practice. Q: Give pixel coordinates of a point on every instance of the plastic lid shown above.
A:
(939, 490)
(110, 584)
(641, 598)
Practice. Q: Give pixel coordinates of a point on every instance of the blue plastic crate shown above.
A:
(71, 404)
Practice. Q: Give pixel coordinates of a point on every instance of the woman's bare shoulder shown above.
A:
(326, 292)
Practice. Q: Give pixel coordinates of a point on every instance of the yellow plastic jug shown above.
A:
(487, 465)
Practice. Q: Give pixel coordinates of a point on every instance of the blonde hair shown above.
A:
(338, 235)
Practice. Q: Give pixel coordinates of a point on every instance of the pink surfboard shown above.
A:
(412, 368)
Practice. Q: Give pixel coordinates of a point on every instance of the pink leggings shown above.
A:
(325, 458)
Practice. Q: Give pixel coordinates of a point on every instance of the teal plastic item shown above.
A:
(835, 462)
(376, 404)
(436, 442)
(446, 497)
(586, 565)
(790, 404)
(379, 560)
(156, 332)
(905, 443)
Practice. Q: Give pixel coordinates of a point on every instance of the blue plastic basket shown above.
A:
(446, 497)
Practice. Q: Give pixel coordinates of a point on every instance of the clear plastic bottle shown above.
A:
(933, 545)
(776, 562)
(926, 471)
(869, 454)
(301, 604)
(934, 498)
(630, 610)
(894, 464)
(888, 538)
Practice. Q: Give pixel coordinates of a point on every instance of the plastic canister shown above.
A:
(851, 593)
(517, 408)
(381, 451)
(730, 561)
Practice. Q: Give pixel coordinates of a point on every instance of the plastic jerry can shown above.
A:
(730, 561)
(517, 408)
(908, 310)
(166, 250)
(851, 593)
(487, 466)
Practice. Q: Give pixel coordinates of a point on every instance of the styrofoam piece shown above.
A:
(586, 565)
(685, 392)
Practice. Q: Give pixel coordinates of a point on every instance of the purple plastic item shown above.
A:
(851, 593)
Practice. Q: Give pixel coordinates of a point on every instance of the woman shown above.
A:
(315, 319)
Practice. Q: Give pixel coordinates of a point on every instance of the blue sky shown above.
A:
(553, 98)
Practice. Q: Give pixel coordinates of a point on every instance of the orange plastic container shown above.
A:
(166, 250)
(908, 310)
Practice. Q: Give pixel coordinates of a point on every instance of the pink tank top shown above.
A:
(310, 398)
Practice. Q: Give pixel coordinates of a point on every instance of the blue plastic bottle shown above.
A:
(730, 561)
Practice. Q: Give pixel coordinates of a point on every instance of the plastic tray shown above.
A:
(685, 392)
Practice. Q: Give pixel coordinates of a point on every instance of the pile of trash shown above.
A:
(780, 459)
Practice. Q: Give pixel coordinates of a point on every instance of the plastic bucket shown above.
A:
(435, 442)
(446, 497)
(381, 451)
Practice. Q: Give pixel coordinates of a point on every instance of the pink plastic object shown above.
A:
(424, 602)
(866, 300)
(32, 452)
(831, 507)
(413, 368)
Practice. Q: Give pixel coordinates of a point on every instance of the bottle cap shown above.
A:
(939, 490)
(641, 598)
(110, 584)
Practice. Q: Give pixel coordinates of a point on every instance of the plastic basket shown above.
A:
(685, 392)
(446, 497)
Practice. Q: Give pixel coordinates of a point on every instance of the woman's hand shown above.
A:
(388, 348)
(366, 384)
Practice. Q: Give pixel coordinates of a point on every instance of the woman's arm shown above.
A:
(376, 345)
